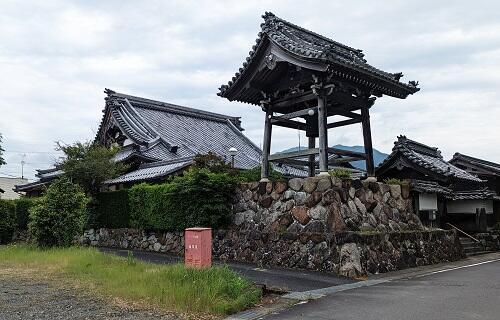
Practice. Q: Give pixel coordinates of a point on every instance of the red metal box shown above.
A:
(198, 247)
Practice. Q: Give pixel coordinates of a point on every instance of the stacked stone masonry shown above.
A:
(346, 227)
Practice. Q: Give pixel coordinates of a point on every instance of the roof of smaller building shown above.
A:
(487, 166)
(481, 194)
(423, 186)
(419, 155)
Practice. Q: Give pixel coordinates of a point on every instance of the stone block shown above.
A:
(395, 191)
(266, 201)
(269, 187)
(315, 226)
(313, 199)
(296, 184)
(310, 184)
(280, 187)
(324, 184)
(318, 212)
(300, 214)
(331, 196)
(289, 194)
(300, 198)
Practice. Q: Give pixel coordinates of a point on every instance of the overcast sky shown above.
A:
(56, 58)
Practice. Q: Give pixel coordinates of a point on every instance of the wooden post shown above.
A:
(367, 137)
(266, 145)
(323, 134)
(312, 157)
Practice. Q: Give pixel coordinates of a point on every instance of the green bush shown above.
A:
(8, 221)
(341, 173)
(109, 210)
(22, 212)
(395, 181)
(199, 198)
(59, 215)
(252, 175)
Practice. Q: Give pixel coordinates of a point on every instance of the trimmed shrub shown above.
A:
(110, 210)
(199, 198)
(395, 181)
(8, 221)
(22, 212)
(341, 173)
(252, 175)
(59, 215)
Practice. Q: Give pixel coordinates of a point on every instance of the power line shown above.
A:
(35, 152)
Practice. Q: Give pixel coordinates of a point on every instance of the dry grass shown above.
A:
(126, 281)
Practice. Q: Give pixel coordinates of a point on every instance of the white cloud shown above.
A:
(56, 58)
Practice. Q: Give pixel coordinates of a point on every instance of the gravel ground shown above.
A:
(23, 299)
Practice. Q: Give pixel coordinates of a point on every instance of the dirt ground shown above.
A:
(27, 299)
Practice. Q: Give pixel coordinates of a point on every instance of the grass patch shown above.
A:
(217, 290)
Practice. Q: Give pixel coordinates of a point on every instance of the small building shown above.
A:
(7, 184)
(485, 170)
(160, 139)
(442, 192)
(36, 188)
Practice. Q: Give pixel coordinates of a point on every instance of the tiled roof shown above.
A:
(423, 186)
(311, 46)
(169, 136)
(152, 171)
(162, 131)
(493, 168)
(482, 194)
(45, 176)
(426, 157)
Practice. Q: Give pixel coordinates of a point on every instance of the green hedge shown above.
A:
(23, 206)
(110, 210)
(199, 198)
(8, 222)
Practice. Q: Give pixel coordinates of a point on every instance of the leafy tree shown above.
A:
(7, 220)
(89, 165)
(212, 162)
(2, 161)
(59, 215)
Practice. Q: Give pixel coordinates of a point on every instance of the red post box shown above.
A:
(198, 247)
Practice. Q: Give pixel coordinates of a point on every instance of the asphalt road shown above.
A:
(466, 293)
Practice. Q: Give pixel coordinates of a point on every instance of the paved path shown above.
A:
(273, 278)
(462, 293)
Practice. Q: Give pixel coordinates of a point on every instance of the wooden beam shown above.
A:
(367, 137)
(295, 154)
(293, 100)
(297, 114)
(349, 114)
(266, 146)
(342, 123)
(341, 152)
(323, 134)
(295, 162)
(288, 123)
(312, 157)
(343, 160)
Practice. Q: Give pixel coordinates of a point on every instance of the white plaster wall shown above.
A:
(427, 201)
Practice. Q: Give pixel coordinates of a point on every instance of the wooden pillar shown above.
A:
(312, 157)
(266, 145)
(323, 135)
(367, 137)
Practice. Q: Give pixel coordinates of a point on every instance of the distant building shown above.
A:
(442, 192)
(36, 188)
(7, 184)
(485, 170)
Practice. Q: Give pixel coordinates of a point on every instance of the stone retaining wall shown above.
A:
(324, 205)
(353, 254)
(490, 240)
(346, 227)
